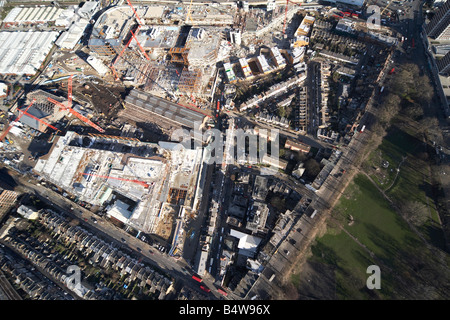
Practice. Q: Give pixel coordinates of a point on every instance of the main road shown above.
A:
(104, 229)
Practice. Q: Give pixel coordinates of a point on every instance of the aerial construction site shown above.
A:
(210, 140)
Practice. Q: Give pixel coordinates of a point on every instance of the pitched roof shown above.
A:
(29, 121)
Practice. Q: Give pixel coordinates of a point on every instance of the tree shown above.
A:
(414, 111)
(415, 212)
(299, 156)
(423, 90)
(312, 168)
(278, 203)
(402, 82)
(379, 132)
(429, 125)
(282, 111)
(389, 108)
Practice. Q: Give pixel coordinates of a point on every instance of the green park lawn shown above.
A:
(376, 234)
(375, 226)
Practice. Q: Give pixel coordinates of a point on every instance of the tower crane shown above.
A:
(72, 111)
(142, 183)
(40, 120)
(286, 11)
(15, 121)
(188, 15)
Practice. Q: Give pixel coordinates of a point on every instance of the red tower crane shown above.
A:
(76, 114)
(142, 183)
(15, 121)
(69, 90)
(133, 36)
(37, 119)
(134, 12)
(72, 111)
(285, 13)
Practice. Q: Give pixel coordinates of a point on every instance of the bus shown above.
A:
(205, 289)
(196, 278)
(222, 292)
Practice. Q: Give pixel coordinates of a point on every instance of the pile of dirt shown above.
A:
(105, 99)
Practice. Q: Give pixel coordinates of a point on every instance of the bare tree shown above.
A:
(312, 168)
(415, 212)
(389, 108)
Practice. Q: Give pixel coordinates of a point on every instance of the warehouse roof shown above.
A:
(22, 52)
(32, 15)
(165, 108)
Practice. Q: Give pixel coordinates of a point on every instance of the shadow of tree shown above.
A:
(386, 242)
(435, 235)
(6, 180)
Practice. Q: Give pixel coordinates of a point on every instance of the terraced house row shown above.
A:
(106, 255)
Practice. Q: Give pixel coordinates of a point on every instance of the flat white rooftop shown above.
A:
(23, 52)
(77, 165)
(33, 15)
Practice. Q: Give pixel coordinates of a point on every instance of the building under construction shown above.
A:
(153, 47)
(42, 112)
(132, 180)
(110, 31)
(143, 107)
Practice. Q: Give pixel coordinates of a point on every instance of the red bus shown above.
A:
(205, 289)
(222, 292)
(197, 278)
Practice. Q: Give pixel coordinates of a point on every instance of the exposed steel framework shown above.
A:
(133, 36)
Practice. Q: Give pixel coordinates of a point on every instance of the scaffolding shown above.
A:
(175, 195)
(42, 102)
(179, 55)
(190, 81)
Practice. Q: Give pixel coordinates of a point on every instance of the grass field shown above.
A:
(375, 226)
(412, 182)
(378, 229)
(365, 229)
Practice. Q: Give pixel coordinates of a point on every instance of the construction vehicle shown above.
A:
(72, 111)
(15, 121)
